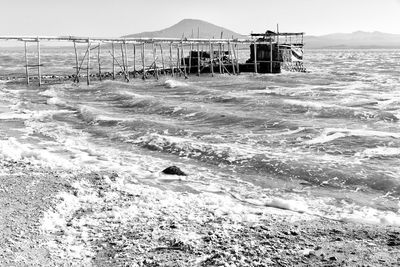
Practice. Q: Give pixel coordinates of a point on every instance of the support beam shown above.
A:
(76, 64)
(198, 60)
(270, 55)
(134, 61)
(219, 58)
(178, 63)
(154, 61)
(26, 64)
(190, 58)
(162, 59)
(231, 58)
(170, 60)
(98, 59)
(183, 60)
(211, 59)
(88, 64)
(143, 62)
(113, 62)
(38, 60)
(126, 62)
(255, 56)
(237, 58)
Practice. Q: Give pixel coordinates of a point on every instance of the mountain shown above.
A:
(188, 28)
(357, 39)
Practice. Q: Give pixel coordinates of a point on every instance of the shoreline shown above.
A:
(99, 219)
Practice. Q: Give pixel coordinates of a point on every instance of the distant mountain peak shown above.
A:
(189, 28)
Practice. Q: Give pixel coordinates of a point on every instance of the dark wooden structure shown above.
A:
(270, 52)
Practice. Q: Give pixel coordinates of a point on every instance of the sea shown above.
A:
(324, 142)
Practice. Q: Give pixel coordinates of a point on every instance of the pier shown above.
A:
(130, 58)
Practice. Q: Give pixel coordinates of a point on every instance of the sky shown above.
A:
(114, 18)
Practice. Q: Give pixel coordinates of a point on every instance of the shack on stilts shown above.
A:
(269, 52)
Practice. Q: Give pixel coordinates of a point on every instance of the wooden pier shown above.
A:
(269, 53)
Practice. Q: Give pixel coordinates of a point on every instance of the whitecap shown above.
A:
(174, 83)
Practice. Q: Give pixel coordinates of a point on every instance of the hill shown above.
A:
(188, 28)
(359, 39)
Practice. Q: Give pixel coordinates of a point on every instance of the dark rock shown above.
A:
(332, 258)
(173, 170)
(294, 233)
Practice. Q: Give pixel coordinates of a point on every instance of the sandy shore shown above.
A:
(99, 219)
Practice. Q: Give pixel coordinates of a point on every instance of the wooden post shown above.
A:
(88, 64)
(255, 57)
(38, 62)
(231, 58)
(219, 58)
(134, 61)
(113, 62)
(270, 54)
(198, 59)
(237, 58)
(154, 61)
(162, 58)
(143, 62)
(26, 64)
(183, 60)
(211, 59)
(98, 59)
(170, 60)
(178, 64)
(123, 61)
(277, 45)
(77, 64)
(190, 57)
(126, 62)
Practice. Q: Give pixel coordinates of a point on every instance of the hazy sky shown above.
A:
(113, 18)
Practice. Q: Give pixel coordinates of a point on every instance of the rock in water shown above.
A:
(173, 170)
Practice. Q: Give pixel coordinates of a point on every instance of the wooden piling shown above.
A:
(154, 61)
(183, 60)
(178, 63)
(134, 61)
(113, 62)
(219, 58)
(198, 60)
(190, 57)
(98, 59)
(26, 64)
(231, 57)
(143, 62)
(170, 60)
(211, 59)
(38, 62)
(88, 64)
(162, 59)
(237, 58)
(255, 56)
(270, 54)
(126, 62)
(76, 64)
(123, 61)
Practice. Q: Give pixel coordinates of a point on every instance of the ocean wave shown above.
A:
(12, 149)
(174, 83)
(49, 92)
(326, 110)
(13, 116)
(56, 101)
(330, 134)
(380, 152)
(88, 113)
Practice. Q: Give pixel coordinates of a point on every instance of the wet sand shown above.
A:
(52, 217)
